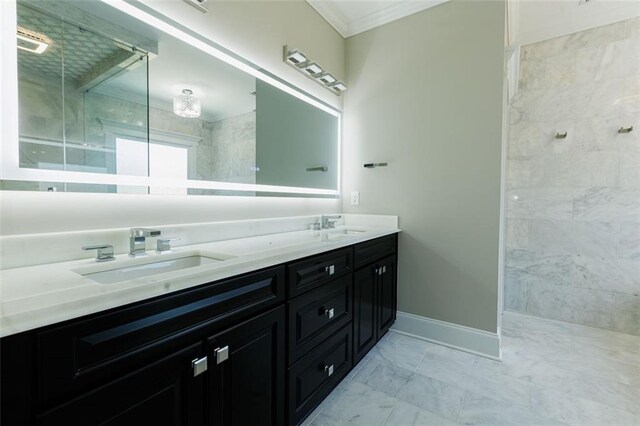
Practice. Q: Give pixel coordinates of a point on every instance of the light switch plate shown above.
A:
(355, 198)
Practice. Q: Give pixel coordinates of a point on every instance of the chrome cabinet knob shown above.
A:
(330, 312)
(199, 366)
(328, 370)
(222, 354)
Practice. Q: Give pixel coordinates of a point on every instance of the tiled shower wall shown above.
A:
(573, 204)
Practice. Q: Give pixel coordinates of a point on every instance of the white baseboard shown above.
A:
(478, 342)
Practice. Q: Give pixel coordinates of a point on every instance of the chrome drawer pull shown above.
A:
(329, 312)
(222, 354)
(328, 370)
(199, 366)
(330, 269)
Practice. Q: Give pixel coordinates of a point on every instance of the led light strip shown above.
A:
(9, 154)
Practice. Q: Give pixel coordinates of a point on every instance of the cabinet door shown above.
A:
(387, 295)
(247, 372)
(365, 289)
(162, 393)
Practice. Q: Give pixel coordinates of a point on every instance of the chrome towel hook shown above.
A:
(561, 135)
(625, 129)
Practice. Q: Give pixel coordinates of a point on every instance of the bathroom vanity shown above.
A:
(262, 347)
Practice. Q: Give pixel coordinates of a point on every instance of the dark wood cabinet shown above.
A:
(164, 392)
(315, 271)
(365, 284)
(374, 303)
(261, 348)
(315, 316)
(312, 378)
(247, 372)
(387, 294)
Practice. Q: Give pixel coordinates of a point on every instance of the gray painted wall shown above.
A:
(425, 95)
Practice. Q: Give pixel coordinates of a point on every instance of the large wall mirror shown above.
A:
(114, 98)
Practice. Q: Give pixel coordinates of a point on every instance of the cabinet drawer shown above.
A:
(165, 392)
(370, 251)
(313, 377)
(93, 350)
(318, 270)
(316, 315)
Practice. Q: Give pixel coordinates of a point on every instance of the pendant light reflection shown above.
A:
(187, 105)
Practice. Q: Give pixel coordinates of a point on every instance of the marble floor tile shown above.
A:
(405, 414)
(383, 375)
(355, 404)
(472, 376)
(441, 398)
(577, 411)
(551, 373)
(481, 410)
(403, 351)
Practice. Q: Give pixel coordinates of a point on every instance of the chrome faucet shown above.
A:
(137, 240)
(329, 221)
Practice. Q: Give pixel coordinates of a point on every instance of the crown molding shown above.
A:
(331, 14)
(400, 9)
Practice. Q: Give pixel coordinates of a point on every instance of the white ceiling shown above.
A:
(350, 17)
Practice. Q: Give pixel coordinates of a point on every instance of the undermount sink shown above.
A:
(341, 234)
(151, 268)
(349, 232)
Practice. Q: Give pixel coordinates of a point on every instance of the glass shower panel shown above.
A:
(40, 89)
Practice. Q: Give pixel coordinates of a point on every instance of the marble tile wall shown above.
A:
(227, 152)
(573, 204)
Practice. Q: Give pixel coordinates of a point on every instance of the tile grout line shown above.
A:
(424, 355)
(391, 411)
(464, 398)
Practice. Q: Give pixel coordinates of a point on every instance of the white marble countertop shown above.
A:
(40, 295)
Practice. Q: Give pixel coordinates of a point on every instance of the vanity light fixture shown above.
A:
(296, 57)
(31, 42)
(338, 87)
(312, 69)
(326, 79)
(187, 105)
(300, 61)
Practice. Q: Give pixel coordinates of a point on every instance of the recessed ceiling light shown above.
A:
(326, 78)
(312, 69)
(31, 42)
(338, 87)
(296, 57)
